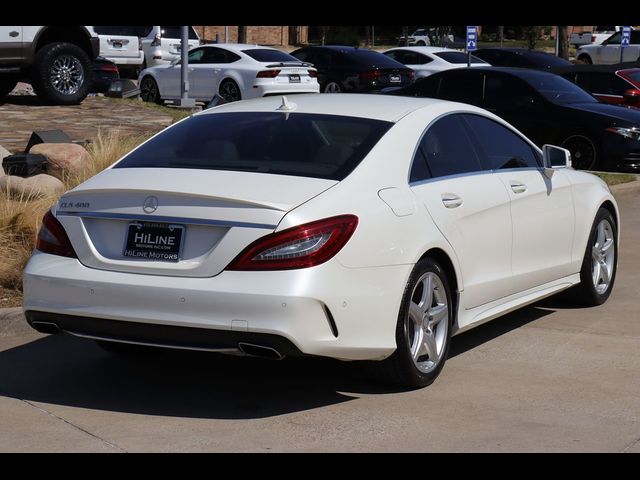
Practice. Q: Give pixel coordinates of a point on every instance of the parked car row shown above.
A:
(134, 48)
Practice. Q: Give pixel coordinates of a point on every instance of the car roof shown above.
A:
(339, 48)
(596, 68)
(516, 71)
(237, 47)
(375, 106)
(425, 49)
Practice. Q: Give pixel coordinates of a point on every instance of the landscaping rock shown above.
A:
(38, 186)
(3, 153)
(63, 158)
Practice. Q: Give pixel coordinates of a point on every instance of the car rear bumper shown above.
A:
(133, 61)
(328, 310)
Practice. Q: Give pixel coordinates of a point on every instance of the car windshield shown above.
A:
(299, 144)
(268, 55)
(556, 89)
(458, 57)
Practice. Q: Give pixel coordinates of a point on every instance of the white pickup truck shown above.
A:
(596, 37)
(56, 60)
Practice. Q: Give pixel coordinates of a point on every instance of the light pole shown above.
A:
(185, 101)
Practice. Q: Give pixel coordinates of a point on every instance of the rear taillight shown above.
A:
(313, 73)
(109, 67)
(298, 247)
(268, 74)
(370, 75)
(593, 38)
(53, 239)
(156, 41)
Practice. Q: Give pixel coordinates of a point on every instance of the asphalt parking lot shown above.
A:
(550, 377)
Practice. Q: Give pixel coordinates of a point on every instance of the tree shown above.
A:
(324, 31)
(563, 45)
(532, 34)
(242, 34)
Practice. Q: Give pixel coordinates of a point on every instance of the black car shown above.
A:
(352, 69)
(104, 72)
(521, 58)
(546, 108)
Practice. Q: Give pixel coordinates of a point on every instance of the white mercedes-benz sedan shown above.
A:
(232, 71)
(358, 227)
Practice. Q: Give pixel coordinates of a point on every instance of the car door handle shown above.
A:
(451, 200)
(13, 33)
(518, 187)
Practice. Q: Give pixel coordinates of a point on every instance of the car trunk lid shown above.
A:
(137, 220)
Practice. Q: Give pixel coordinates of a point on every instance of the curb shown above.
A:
(12, 322)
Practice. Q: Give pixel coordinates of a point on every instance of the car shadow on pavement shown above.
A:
(65, 370)
(485, 333)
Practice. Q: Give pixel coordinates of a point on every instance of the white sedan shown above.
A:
(358, 227)
(427, 60)
(232, 71)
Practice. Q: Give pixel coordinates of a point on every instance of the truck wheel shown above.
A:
(584, 58)
(61, 73)
(7, 84)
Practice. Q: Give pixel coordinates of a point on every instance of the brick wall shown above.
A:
(263, 34)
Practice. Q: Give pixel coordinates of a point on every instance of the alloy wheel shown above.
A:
(583, 152)
(427, 323)
(66, 74)
(602, 256)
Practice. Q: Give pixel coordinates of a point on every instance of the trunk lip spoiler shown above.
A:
(164, 219)
(290, 64)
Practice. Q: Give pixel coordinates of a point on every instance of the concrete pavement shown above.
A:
(550, 377)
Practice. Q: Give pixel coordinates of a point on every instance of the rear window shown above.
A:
(298, 144)
(373, 59)
(457, 57)
(268, 55)
(176, 32)
(635, 76)
(126, 31)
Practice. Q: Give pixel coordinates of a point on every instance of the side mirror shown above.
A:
(555, 157)
(215, 101)
(631, 96)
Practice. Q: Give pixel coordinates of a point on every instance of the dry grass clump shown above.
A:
(20, 218)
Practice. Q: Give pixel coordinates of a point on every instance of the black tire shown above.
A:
(230, 91)
(127, 349)
(584, 58)
(585, 151)
(149, 91)
(74, 70)
(400, 368)
(421, 44)
(7, 84)
(332, 86)
(586, 292)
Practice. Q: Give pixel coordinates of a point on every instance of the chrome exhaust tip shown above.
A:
(259, 351)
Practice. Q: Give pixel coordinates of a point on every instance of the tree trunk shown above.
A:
(563, 45)
(242, 34)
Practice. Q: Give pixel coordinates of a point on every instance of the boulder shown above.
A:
(63, 159)
(3, 153)
(38, 186)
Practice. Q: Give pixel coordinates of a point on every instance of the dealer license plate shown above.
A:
(294, 78)
(154, 241)
(395, 78)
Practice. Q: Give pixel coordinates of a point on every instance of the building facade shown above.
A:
(276, 35)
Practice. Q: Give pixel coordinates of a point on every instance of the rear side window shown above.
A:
(299, 144)
(373, 59)
(448, 149)
(268, 55)
(175, 32)
(499, 147)
(461, 85)
(408, 57)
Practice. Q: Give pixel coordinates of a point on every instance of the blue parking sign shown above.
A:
(626, 37)
(472, 38)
